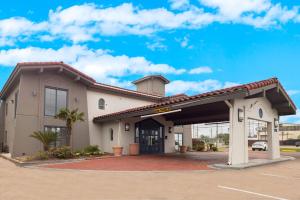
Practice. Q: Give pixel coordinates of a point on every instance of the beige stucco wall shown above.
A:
(114, 102)
(152, 86)
(10, 120)
(127, 137)
(238, 149)
(30, 112)
(2, 118)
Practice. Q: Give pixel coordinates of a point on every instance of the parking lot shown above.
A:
(277, 181)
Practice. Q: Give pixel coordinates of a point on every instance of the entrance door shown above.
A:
(150, 136)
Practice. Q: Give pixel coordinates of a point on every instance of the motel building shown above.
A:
(118, 117)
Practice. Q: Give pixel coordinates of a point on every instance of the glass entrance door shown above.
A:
(150, 136)
(178, 140)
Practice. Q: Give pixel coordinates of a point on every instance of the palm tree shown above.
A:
(70, 116)
(46, 138)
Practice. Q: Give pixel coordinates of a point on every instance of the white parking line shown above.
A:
(275, 175)
(249, 192)
(279, 176)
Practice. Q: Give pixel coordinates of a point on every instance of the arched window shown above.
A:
(101, 104)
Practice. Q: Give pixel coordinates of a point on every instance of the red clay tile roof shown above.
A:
(88, 78)
(184, 98)
(56, 63)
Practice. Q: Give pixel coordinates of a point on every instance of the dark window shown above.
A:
(61, 135)
(6, 109)
(101, 104)
(55, 99)
(111, 134)
(16, 104)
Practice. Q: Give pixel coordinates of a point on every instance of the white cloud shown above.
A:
(179, 4)
(184, 43)
(293, 92)
(100, 64)
(233, 9)
(18, 28)
(291, 118)
(228, 84)
(156, 44)
(196, 87)
(193, 87)
(88, 22)
(201, 70)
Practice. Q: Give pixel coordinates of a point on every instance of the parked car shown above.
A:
(297, 144)
(260, 146)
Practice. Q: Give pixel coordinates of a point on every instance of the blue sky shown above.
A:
(200, 45)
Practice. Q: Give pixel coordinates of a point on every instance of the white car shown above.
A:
(261, 146)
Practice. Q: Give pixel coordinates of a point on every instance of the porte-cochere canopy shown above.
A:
(210, 106)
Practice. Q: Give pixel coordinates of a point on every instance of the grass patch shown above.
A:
(289, 149)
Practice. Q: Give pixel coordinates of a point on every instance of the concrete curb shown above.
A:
(30, 163)
(47, 162)
(253, 163)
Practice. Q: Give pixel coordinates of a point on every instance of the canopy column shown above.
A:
(238, 135)
(273, 142)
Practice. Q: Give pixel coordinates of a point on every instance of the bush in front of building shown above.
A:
(90, 150)
(198, 145)
(63, 152)
(45, 137)
(41, 155)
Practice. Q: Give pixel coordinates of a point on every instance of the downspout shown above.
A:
(231, 130)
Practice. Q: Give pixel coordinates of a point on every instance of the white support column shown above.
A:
(273, 142)
(238, 139)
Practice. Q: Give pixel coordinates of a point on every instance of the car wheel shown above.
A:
(253, 149)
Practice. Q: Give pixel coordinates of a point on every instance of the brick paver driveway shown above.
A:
(136, 163)
(167, 162)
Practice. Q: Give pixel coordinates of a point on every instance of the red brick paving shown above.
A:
(167, 162)
(135, 163)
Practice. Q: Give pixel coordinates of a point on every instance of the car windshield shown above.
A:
(259, 143)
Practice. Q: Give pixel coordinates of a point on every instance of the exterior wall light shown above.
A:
(127, 126)
(240, 115)
(170, 129)
(34, 93)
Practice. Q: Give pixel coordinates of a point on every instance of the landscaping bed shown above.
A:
(285, 149)
(62, 154)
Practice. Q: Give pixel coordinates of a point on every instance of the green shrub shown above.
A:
(41, 155)
(78, 153)
(198, 145)
(92, 150)
(214, 148)
(62, 152)
(88, 151)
